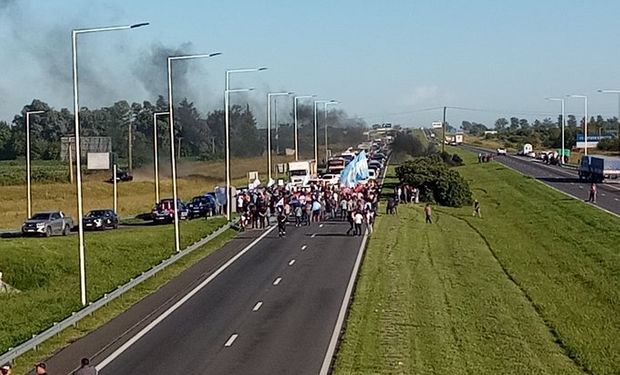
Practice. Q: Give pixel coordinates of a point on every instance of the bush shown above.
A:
(608, 145)
(437, 182)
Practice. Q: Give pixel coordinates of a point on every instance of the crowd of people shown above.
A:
(302, 206)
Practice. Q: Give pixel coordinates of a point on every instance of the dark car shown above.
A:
(121, 176)
(100, 220)
(163, 213)
(202, 205)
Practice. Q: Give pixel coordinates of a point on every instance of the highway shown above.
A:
(260, 305)
(563, 179)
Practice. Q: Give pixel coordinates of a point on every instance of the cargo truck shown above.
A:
(597, 168)
(301, 171)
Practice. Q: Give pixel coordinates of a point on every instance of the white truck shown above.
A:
(301, 171)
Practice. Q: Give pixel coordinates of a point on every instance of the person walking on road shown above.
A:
(428, 212)
(477, 209)
(40, 368)
(281, 224)
(592, 196)
(86, 368)
(358, 218)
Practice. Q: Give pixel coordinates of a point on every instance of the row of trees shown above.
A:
(545, 133)
(200, 136)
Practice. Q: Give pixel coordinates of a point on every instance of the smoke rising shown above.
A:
(151, 69)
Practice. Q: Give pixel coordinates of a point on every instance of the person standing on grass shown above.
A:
(477, 209)
(86, 368)
(370, 219)
(592, 196)
(428, 212)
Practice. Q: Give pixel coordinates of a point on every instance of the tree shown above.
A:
(514, 123)
(501, 124)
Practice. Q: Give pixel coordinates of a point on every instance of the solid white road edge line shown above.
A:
(331, 349)
(231, 340)
(291, 262)
(257, 306)
(179, 303)
(277, 281)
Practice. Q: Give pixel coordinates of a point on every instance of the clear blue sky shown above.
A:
(381, 59)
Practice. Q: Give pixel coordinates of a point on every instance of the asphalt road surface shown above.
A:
(563, 179)
(260, 305)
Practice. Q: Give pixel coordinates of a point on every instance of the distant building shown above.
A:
(491, 132)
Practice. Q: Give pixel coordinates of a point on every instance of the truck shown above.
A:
(47, 224)
(301, 171)
(336, 165)
(597, 168)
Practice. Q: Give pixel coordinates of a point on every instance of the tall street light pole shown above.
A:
(156, 153)
(316, 131)
(563, 126)
(175, 194)
(28, 173)
(269, 96)
(585, 120)
(333, 102)
(617, 92)
(227, 92)
(76, 110)
(295, 99)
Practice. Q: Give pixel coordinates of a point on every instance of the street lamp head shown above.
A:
(576, 96)
(261, 69)
(136, 25)
(34, 112)
(609, 91)
(215, 54)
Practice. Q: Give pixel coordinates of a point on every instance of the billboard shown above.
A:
(437, 125)
(98, 160)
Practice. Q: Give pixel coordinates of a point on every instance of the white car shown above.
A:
(331, 178)
(501, 151)
(372, 174)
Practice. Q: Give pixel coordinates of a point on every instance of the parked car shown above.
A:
(501, 151)
(48, 224)
(100, 219)
(121, 176)
(202, 205)
(163, 213)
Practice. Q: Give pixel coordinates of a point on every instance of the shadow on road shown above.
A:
(561, 180)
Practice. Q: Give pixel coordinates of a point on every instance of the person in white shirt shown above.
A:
(358, 219)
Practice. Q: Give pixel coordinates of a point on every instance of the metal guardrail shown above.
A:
(75, 317)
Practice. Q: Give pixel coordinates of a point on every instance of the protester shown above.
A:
(477, 209)
(5, 369)
(593, 191)
(281, 224)
(358, 218)
(86, 368)
(40, 368)
(428, 212)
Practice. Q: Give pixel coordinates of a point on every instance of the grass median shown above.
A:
(532, 287)
(45, 270)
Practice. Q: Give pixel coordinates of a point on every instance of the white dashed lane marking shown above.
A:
(321, 226)
(231, 340)
(291, 262)
(257, 306)
(313, 235)
(304, 247)
(277, 281)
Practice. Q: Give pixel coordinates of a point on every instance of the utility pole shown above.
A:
(70, 160)
(129, 150)
(179, 149)
(443, 128)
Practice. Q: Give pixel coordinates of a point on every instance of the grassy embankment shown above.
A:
(133, 197)
(45, 270)
(531, 288)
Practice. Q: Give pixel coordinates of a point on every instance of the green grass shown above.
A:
(531, 288)
(45, 270)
